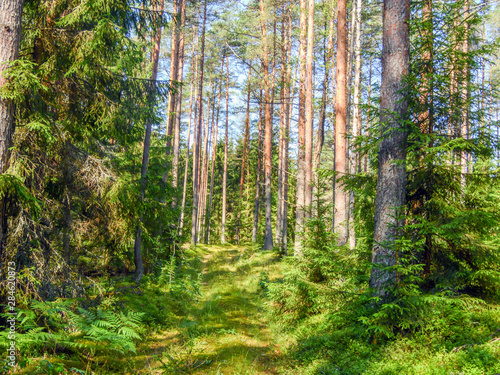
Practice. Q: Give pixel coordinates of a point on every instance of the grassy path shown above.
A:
(225, 331)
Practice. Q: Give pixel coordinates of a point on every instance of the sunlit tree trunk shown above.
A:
(356, 118)
(197, 136)
(178, 100)
(194, 88)
(258, 177)
(464, 128)
(328, 57)
(309, 111)
(215, 125)
(243, 160)
(341, 197)
(301, 168)
(268, 134)
(224, 182)
(391, 183)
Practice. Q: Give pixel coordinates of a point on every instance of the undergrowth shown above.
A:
(96, 333)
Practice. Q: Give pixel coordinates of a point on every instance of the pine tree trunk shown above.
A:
(464, 129)
(309, 112)
(197, 137)
(301, 168)
(215, 125)
(356, 118)
(283, 114)
(224, 183)
(178, 100)
(11, 12)
(391, 184)
(268, 134)
(186, 164)
(243, 160)
(341, 197)
(320, 135)
(204, 168)
(174, 69)
(258, 177)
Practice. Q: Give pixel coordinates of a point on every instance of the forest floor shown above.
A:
(226, 330)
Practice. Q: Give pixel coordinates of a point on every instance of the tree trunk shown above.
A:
(243, 160)
(258, 177)
(320, 135)
(301, 168)
(11, 12)
(309, 111)
(178, 100)
(224, 183)
(204, 168)
(268, 134)
(341, 197)
(197, 137)
(174, 70)
(186, 164)
(283, 114)
(356, 118)
(391, 184)
(464, 129)
(215, 125)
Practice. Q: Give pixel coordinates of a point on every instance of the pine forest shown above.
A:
(250, 187)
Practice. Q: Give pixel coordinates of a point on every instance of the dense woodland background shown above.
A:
(364, 154)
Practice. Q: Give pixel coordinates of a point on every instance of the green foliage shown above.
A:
(60, 325)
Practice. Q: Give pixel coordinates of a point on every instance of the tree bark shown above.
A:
(186, 164)
(258, 177)
(301, 168)
(391, 184)
(320, 135)
(356, 118)
(341, 197)
(268, 134)
(178, 100)
(243, 160)
(309, 112)
(197, 137)
(215, 125)
(224, 183)
(11, 12)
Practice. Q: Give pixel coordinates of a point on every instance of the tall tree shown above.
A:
(391, 184)
(268, 133)
(356, 118)
(341, 197)
(178, 97)
(11, 12)
(10, 36)
(226, 135)
(301, 168)
(245, 146)
(309, 110)
(197, 135)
